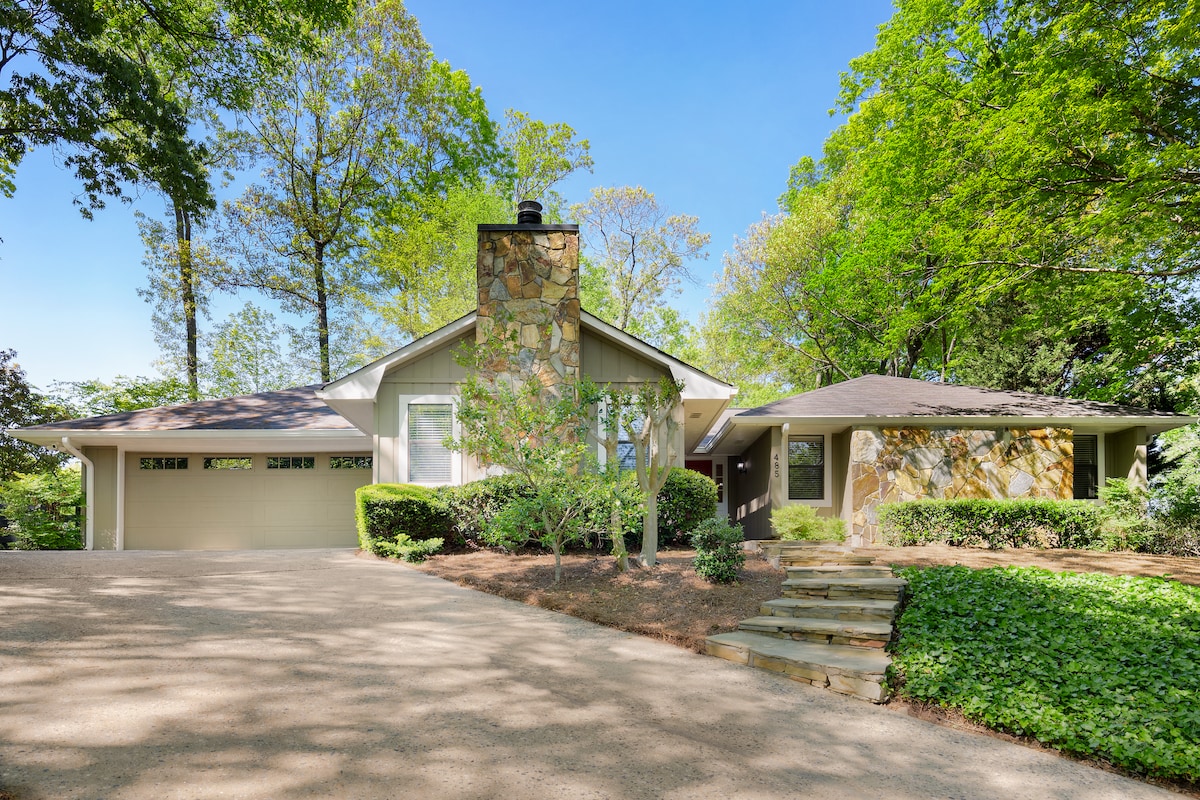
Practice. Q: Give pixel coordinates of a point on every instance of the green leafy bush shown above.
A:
(719, 553)
(385, 510)
(473, 505)
(565, 502)
(1102, 666)
(1129, 523)
(43, 510)
(406, 548)
(686, 499)
(801, 523)
(992, 523)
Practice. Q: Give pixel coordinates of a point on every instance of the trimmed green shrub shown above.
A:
(686, 499)
(43, 510)
(385, 510)
(719, 553)
(1103, 666)
(992, 523)
(801, 523)
(407, 549)
(473, 505)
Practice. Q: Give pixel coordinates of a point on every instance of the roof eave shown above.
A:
(208, 440)
(1155, 423)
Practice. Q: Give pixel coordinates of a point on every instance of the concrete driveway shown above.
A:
(288, 674)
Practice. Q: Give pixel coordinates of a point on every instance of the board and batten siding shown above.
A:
(437, 373)
(608, 363)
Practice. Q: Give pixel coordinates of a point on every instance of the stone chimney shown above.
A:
(528, 277)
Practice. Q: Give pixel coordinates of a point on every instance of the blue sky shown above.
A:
(705, 104)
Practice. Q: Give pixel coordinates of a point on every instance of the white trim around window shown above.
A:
(428, 403)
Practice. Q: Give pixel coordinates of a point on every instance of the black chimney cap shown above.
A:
(529, 212)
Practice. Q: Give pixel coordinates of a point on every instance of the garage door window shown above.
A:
(428, 458)
(229, 462)
(291, 462)
(350, 462)
(168, 462)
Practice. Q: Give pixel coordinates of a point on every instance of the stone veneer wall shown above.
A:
(529, 286)
(890, 465)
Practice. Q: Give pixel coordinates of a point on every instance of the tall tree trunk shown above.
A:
(322, 310)
(187, 292)
(649, 555)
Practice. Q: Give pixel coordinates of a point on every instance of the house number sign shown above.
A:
(775, 459)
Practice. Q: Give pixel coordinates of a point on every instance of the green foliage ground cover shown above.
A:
(1106, 667)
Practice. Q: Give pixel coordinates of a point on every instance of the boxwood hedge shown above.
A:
(384, 511)
(992, 523)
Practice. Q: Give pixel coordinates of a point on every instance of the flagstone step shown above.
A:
(862, 633)
(808, 554)
(850, 609)
(865, 571)
(855, 671)
(836, 587)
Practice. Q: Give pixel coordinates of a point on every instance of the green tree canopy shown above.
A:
(1012, 202)
(1046, 135)
(90, 81)
(22, 405)
(367, 124)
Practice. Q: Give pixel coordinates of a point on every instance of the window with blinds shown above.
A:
(428, 426)
(1087, 464)
(806, 468)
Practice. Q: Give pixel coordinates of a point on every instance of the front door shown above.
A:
(714, 468)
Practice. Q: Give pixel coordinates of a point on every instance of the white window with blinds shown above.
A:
(806, 474)
(426, 426)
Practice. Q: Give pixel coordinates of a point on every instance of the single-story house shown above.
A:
(279, 469)
(847, 448)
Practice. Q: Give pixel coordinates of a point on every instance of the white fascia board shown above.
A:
(205, 441)
(696, 384)
(363, 383)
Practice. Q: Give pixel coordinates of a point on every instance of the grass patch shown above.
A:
(1101, 666)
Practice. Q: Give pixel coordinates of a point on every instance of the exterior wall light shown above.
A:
(743, 467)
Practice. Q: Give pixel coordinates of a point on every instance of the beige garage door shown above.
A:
(239, 502)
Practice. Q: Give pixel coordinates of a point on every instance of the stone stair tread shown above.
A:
(857, 628)
(836, 580)
(823, 570)
(864, 663)
(883, 609)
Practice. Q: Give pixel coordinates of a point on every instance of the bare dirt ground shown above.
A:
(672, 603)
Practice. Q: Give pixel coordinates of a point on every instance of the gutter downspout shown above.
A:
(89, 492)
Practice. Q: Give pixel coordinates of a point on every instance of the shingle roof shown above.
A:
(882, 396)
(287, 409)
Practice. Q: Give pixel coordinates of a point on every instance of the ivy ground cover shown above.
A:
(1102, 666)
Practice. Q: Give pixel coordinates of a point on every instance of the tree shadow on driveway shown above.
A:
(294, 674)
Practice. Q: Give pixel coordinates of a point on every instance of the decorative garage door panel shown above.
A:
(193, 508)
